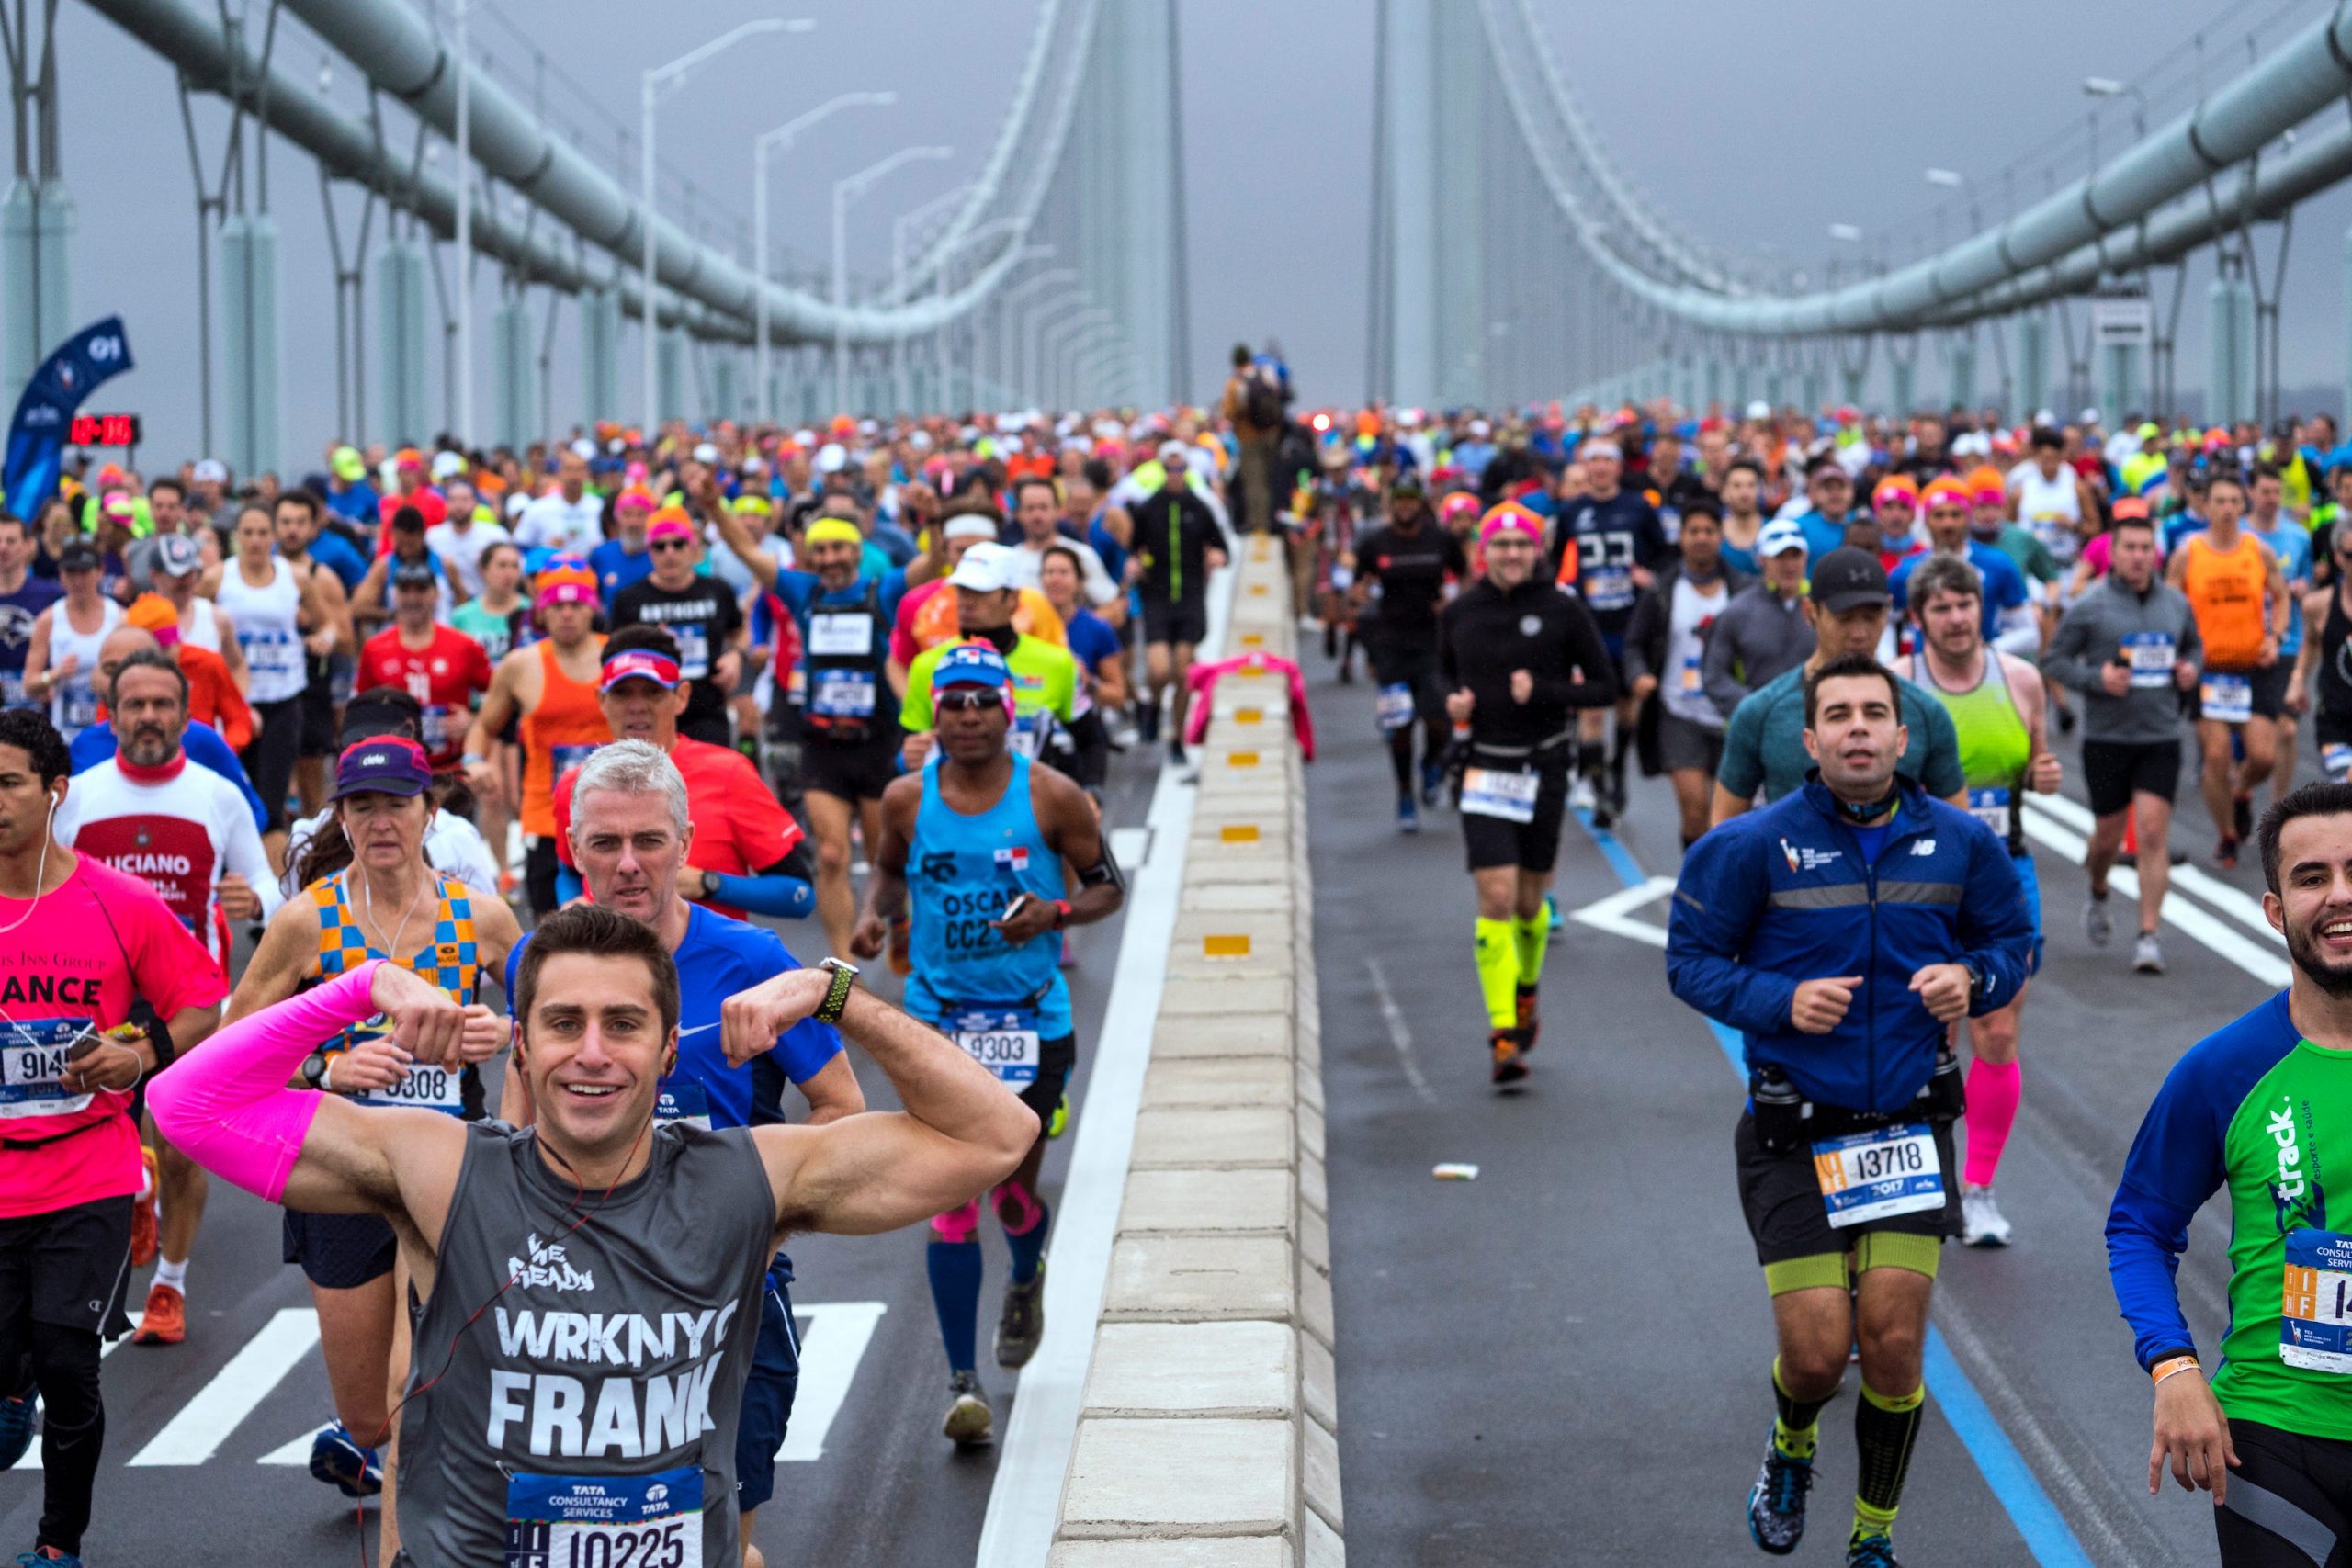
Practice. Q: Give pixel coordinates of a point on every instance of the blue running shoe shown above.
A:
(1552, 911)
(337, 1459)
(46, 1557)
(1408, 819)
(16, 1427)
(1870, 1551)
(1432, 784)
(1776, 1502)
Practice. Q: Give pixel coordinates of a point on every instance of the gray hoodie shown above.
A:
(2092, 634)
(1760, 635)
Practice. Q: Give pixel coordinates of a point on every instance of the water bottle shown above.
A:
(1779, 1110)
(1945, 1098)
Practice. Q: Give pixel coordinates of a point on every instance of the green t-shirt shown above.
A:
(1764, 742)
(2259, 1110)
(1045, 680)
(493, 629)
(2032, 557)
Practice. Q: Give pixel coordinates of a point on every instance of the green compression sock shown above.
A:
(1497, 951)
(1534, 935)
(1797, 1429)
(1885, 1428)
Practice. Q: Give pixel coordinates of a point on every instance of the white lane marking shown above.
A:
(1130, 847)
(2241, 906)
(1614, 913)
(2267, 965)
(296, 1452)
(205, 1422)
(830, 1349)
(1025, 1502)
(1398, 1035)
(32, 1455)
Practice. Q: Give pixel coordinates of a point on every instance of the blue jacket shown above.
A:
(1781, 895)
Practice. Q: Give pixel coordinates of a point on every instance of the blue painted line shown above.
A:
(2012, 1481)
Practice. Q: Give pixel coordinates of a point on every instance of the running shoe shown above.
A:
(1870, 1551)
(2097, 929)
(338, 1459)
(1581, 797)
(2147, 955)
(166, 1320)
(1529, 1023)
(1432, 784)
(46, 1557)
(1176, 751)
(1408, 820)
(1776, 1502)
(1147, 721)
(144, 1231)
(2242, 816)
(1551, 912)
(16, 1427)
(1981, 1223)
(1511, 1062)
(1059, 1122)
(1023, 1322)
(968, 1422)
(2225, 853)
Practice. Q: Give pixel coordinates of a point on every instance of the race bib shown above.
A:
(1609, 588)
(569, 757)
(1991, 807)
(343, 678)
(1393, 706)
(79, 703)
(2315, 1321)
(1506, 795)
(12, 688)
(693, 649)
(1690, 675)
(32, 1061)
(434, 725)
(2335, 761)
(1004, 1041)
(2226, 698)
(841, 635)
(2151, 657)
(271, 652)
(605, 1521)
(426, 1087)
(844, 693)
(1879, 1174)
(683, 1100)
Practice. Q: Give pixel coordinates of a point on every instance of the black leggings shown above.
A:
(63, 1364)
(269, 758)
(2290, 1501)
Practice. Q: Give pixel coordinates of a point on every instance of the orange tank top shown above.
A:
(557, 735)
(2225, 590)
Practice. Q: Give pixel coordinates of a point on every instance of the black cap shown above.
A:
(1846, 579)
(79, 555)
(415, 574)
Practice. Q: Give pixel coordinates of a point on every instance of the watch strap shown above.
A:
(836, 995)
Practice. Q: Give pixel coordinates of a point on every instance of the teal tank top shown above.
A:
(962, 872)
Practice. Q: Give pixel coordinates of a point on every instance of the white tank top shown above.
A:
(267, 629)
(2050, 509)
(1678, 683)
(202, 629)
(73, 706)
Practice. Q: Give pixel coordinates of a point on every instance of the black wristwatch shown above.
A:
(837, 993)
(314, 1069)
(709, 885)
(1975, 980)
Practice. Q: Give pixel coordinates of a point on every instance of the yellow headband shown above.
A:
(828, 530)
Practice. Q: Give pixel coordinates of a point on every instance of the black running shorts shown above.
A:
(1490, 842)
(2290, 1501)
(1781, 1196)
(2113, 770)
(67, 1268)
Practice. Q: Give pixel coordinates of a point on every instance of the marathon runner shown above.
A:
(1610, 546)
(188, 833)
(1666, 651)
(1403, 569)
(1998, 711)
(66, 639)
(2239, 595)
(700, 612)
(205, 746)
(668, 1225)
(274, 604)
(373, 845)
(1519, 657)
(633, 839)
(1179, 544)
(23, 597)
(1767, 629)
(1844, 981)
(1101, 662)
(2291, 543)
(444, 669)
(2130, 645)
(1764, 745)
(1947, 507)
(79, 945)
(2258, 1108)
(1045, 682)
(329, 648)
(549, 688)
(2331, 619)
(981, 849)
(455, 846)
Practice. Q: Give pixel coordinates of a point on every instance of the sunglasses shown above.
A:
(967, 699)
(661, 546)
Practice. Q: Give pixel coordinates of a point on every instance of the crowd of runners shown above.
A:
(618, 724)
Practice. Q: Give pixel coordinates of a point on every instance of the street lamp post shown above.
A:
(650, 95)
(2110, 87)
(845, 192)
(464, 413)
(944, 274)
(899, 226)
(783, 136)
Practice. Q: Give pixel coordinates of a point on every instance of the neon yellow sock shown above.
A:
(1497, 951)
(1534, 936)
(1885, 1428)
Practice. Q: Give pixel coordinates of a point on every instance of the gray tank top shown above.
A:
(587, 1414)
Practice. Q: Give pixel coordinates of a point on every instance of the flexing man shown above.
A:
(2257, 1108)
(1520, 657)
(981, 850)
(632, 838)
(2239, 596)
(671, 1228)
(1999, 712)
(1403, 569)
(2130, 646)
(89, 943)
(1844, 981)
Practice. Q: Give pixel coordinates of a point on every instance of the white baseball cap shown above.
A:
(210, 471)
(583, 448)
(706, 453)
(1759, 409)
(983, 570)
(447, 465)
(832, 457)
(1780, 535)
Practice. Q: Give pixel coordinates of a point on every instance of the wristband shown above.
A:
(1061, 913)
(470, 758)
(2172, 1366)
(837, 993)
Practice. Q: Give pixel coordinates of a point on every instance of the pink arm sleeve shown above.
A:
(225, 1105)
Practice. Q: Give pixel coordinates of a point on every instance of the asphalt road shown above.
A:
(1567, 1359)
(206, 1442)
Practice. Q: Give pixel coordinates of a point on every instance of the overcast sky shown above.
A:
(1750, 128)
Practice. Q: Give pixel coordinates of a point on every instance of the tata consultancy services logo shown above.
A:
(548, 1269)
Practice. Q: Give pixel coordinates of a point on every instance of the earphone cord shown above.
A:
(40, 871)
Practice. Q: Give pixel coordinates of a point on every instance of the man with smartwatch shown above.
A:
(978, 842)
(1843, 930)
(2258, 1106)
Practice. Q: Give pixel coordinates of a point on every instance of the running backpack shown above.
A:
(1261, 398)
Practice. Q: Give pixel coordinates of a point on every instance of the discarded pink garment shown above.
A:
(1202, 682)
